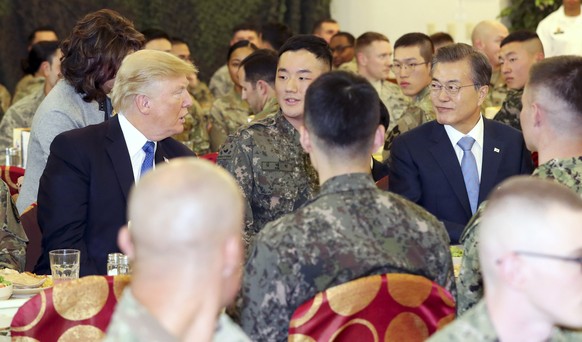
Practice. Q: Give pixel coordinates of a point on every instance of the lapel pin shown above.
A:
(166, 160)
(496, 150)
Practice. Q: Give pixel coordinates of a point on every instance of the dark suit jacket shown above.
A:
(83, 192)
(424, 168)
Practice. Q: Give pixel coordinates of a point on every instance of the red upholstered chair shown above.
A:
(10, 175)
(210, 156)
(382, 183)
(387, 307)
(29, 222)
(77, 310)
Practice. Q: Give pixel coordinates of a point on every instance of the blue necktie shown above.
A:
(148, 161)
(470, 173)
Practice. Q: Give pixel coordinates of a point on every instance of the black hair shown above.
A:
(519, 36)
(311, 43)
(480, 67)
(417, 39)
(40, 29)
(260, 65)
(154, 33)
(238, 45)
(275, 34)
(351, 39)
(39, 52)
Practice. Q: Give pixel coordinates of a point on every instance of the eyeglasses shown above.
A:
(398, 67)
(550, 256)
(340, 48)
(450, 88)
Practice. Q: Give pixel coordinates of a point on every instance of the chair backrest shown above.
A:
(76, 310)
(210, 156)
(29, 222)
(10, 175)
(382, 183)
(387, 307)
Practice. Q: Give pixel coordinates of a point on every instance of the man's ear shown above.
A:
(261, 87)
(143, 103)
(125, 243)
(45, 68)
(483, 91)
(379, 137)
(361, 58)
(305, 139)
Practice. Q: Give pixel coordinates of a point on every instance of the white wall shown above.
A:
(397, 17)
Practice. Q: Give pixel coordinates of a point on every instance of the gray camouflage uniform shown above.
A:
(418, 112)
(509, 112)
(19, 115)
(567, 172)
(132, 322)
(227, 114)
(12, 236)
(26, 86)
(220, 83)
(476, 325)
(351, 229)
(270, 166)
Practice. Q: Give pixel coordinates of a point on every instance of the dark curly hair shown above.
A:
(94, 51)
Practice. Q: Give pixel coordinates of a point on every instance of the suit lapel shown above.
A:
(445, 156)
(120, 159)
(493, 148)
(161, 155)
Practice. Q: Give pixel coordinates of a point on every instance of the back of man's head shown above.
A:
(440, 39)
(342, 113)
(480, 67)
(274, 35)
(349, 37)
(260, 65)
(529, 242)
(42, 34)
(417, 39)
(140, 70)
(315, 45)
(40, 52)
(367, 38)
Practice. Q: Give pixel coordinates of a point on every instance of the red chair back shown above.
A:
(10, 175)
(387, 307)
(77, 310)
(210, 156)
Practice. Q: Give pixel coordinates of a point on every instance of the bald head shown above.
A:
(486, 37)
(188, 206)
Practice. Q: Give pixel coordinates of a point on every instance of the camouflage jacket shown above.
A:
(419, 111)
(477, 326)
(227, 114)
(393, 99)
(567, 172)
(5, 99)
(509, 112)
(202, 94)
(351, 229)
(220, 83)
(271, 107)
(195, 134)
(351, 66)
(27, 85)
(12, 236)
(129, 314)
(270, 166)
(19, 115)
(497, 92)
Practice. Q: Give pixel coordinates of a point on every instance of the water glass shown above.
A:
(64, 264)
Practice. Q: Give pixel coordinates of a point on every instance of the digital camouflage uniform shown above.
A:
(12, 236)
(202, 94)
(19, 115)
(418, 112)
(220, 83)
(476, 325)
(351, 229)
(497, 92)
(270, 166)
(227, 114)
(26, 86)
(132, 322)
(195, 134)
(5, 98)
(509, 112)
(271, 107)
(393, 99)
(567, 172)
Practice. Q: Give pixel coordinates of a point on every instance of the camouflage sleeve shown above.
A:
(236, 157)
(509, 115)
(265, 313)
(198, 134)
(218, 131)
(12, 236)
(202, 94)
(470, 282)
(392, 134)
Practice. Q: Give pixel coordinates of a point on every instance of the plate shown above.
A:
(27, 292)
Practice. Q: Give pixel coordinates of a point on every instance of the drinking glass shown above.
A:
(64, 264)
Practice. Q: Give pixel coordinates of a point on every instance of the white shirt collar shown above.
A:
(476, 133)
(134, 140)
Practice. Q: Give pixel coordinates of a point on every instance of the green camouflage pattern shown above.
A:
(476, 325)
(271, 107)
(202, 94)
(26, 86)
(509, 112)
(351, 229)
(351, 66)
(5, 99)
(12, 236)
(227, 114)
(497, 92)
(195, 134)
(19, 115)
(418, 112)
(272, 169)
(393, 98)
(220, 83)
(567, 172)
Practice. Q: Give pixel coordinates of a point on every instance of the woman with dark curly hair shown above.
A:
(91, 56)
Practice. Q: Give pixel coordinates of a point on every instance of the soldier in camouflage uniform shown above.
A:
(412, 66)
(266, 157)
(195, 134)
(530, 242)
(313, 249)
(12, 236)
(202, 208)
(229, 112)
(560, 154)
(519, 51)
(4, 98)
(374, 56)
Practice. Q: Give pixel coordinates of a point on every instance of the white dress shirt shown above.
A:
(134, 140)
(477, 149)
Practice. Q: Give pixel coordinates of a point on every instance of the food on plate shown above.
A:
(456, 252)
(26, 279)
(4, 282)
